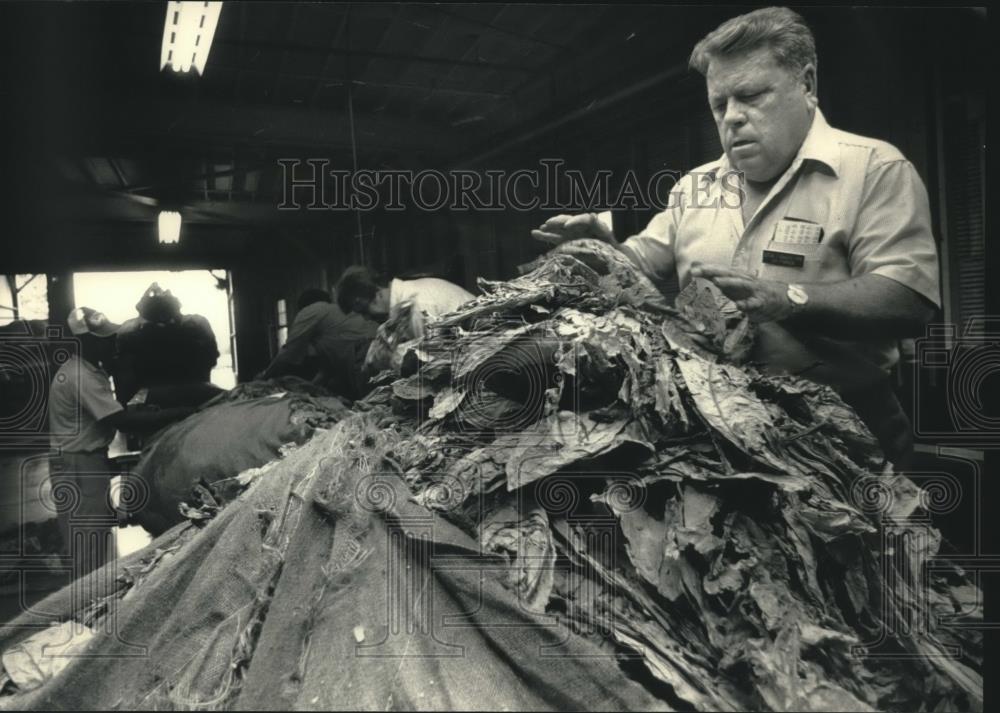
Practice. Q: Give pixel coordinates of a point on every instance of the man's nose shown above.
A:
(735, 113)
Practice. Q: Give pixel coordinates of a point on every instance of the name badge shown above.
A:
(793, 231)
(776, 257)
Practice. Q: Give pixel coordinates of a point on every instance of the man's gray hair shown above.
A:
(779, 28)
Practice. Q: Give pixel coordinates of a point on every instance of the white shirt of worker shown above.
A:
(430, 295)
(846, 206)
(80, 397)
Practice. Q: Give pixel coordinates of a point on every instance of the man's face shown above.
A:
(376, 308)
(762, 110)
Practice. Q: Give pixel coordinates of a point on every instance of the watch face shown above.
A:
(797, 294)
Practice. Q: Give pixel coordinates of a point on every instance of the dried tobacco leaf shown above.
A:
(522, 532)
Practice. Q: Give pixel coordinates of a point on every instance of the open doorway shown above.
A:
(204, 292)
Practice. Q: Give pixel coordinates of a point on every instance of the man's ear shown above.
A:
(809, 82)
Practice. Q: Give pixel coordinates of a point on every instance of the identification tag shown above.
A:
(792, 231)
(776, 257)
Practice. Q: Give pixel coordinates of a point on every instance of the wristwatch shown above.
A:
(797, 295)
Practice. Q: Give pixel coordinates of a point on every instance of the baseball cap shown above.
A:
(84, 320)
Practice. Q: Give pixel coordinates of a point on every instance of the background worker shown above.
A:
(359, 291)
(298, 355)
(327, 342)
(83, 418)
(168, 353)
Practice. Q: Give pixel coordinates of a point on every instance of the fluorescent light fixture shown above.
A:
(170, 227)
(187, 35)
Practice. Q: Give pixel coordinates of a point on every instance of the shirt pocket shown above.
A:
(825, 262)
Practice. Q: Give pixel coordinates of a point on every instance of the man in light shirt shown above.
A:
(822, 237)
(358, 291)
(83, 418)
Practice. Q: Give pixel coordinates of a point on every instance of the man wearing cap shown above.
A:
(83, 418)
(821, 237)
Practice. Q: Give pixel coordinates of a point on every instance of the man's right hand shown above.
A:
(563, 228)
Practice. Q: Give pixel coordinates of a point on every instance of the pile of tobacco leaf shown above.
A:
(738, 535)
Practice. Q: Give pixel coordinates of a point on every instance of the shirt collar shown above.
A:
(86, 364)
(820, 145)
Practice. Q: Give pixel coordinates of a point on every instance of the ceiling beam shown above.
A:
(479, 24)
(369, 54)
(338, 36)
(591, 39)
(288, 39)
(118, 171)
(339, 81)
(330, 51)
(88, 207)
(473, 46)
(562, 116)
(225, 124)
(243, 34)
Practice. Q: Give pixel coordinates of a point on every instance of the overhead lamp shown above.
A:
(169, 225)
(187, 35)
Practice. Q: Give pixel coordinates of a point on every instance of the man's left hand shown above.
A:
(760, 300)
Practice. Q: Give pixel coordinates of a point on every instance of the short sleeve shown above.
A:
(96, 396)
(893, 235)
(653, 249)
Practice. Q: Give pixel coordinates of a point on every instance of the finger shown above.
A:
(732, 281)
(734, 289)
(554, 223)
(545, 237)
(749, 304)
(713, 271)
(580, 225)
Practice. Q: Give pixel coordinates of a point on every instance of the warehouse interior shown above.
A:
(104, 136)
(99, 138)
